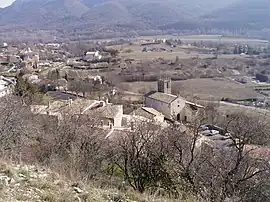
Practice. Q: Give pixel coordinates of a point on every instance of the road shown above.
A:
(263, 111)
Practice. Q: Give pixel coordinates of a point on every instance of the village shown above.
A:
(134, 101)
(82, 81)
(115, 89)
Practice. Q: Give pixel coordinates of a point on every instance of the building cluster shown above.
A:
(50, 65)
(54, 69)
(161, 108)
(110, 115)
(40, 56)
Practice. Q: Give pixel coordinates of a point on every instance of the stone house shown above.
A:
(171, 106)
(110, 115)
(149, 113)
(30, 59)
(142, 115)
(191, 110)
(60, 109)
(90, 56)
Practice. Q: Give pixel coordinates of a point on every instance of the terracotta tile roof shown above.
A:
(143, 113)
(78, 106)
(152, 111)
(109, 111)
(163, 97)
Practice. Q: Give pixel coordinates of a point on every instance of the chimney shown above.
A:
(49, 104)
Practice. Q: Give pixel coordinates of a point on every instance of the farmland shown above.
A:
(199, 89)
(212, 38)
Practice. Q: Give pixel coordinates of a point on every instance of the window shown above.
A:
(178, 105)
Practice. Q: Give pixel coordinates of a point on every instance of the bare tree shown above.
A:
(16, 128)
(77, 142)
(183, 154)
(214, 171)
(147, 156)
(141, 157)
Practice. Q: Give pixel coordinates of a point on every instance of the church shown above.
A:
(173, 107)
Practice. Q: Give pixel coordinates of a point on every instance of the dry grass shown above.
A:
(200, 89)
(212, 38)
(216, 89)
(138, 87)
(34, 184)
(182, 52)
(165, 55)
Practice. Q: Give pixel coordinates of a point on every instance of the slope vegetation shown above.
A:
(152, 13)
(250, 14)
(40, 11)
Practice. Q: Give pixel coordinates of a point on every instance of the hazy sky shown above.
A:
(4, 3)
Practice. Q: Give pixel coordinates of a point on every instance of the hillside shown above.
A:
(127, 16)
(40, 12)
(246, 17)
(108, 12)
(152, 12)
(250, 14)
(36, 184)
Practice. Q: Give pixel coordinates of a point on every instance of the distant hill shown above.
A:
(250, 14)
(241, 17)
(41, 11)
(150, 12)
(134, 15)
(108, 12)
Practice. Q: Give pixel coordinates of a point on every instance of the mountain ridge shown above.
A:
(152, 12)
(119, 15)
(249, 14)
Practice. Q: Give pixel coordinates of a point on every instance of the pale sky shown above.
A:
(4, 3)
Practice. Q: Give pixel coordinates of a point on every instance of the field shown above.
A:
(182, 54)
(182, 51)
(216, 89)
(165, 55)
(199, 89)
(212, 38)
(134, 50)
(200, 74)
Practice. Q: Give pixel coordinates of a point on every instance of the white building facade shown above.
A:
(171, 106)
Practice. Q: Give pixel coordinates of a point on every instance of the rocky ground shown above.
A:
(35, 184)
